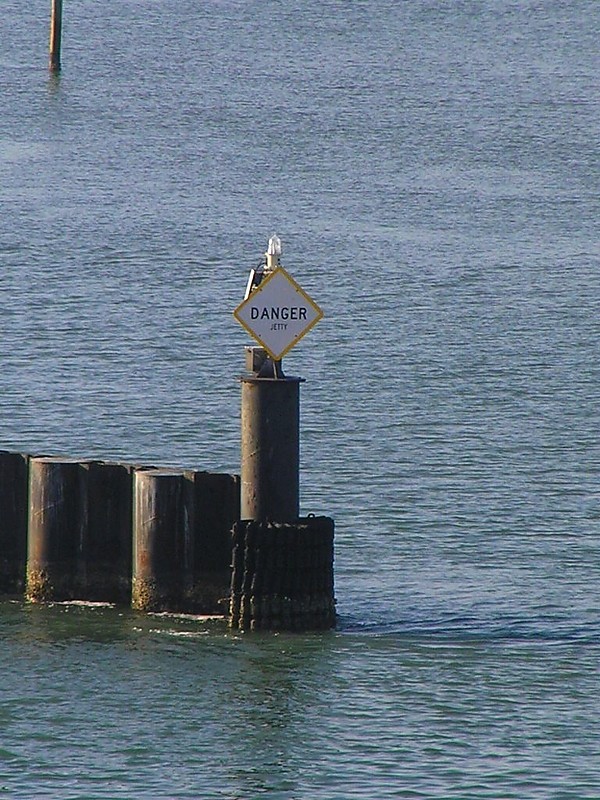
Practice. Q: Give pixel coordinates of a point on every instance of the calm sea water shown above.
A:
(433, 171)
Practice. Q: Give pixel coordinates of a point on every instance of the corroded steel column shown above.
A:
(58, 517)
(270, 468)
(108, 544)
(13, 520)
(161, 540)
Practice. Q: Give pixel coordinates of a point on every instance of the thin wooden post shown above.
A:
(55, 35)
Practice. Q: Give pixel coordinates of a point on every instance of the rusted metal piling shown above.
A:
(158, 539)
(108, 542)
(55, 35)
(282, 576)
(182, 539)
(13, 521)
(162, 529)
(282, 565)
(79, 530)
(215, 508)
(57, 529)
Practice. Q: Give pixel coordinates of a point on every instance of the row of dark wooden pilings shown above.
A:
(282, 575)
(159, 539)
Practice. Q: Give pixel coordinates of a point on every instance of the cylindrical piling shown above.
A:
(282, 576)
(216, 506)
(270, 468)
(109, 541)
(161, 521)
(55, 35)
(13, 521)
(57, 529)
(68, 531)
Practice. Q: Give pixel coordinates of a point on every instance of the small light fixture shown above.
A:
(273, 253)
(274, 246)
(271, 263)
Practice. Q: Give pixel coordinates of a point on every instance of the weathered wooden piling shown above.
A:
(282, 575)
(55, 35)
(161, 540)
(57, 527)
(13, 521)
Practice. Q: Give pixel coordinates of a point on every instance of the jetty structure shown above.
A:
(282, 565)
(165, 539)
(158, 539)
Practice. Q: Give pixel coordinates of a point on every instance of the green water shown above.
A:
(432, 170)
(102, 703)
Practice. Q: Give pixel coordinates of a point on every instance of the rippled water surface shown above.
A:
(432, 169)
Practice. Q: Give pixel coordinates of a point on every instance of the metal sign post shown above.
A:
(270, 463)
(276, 312)
(282, 564)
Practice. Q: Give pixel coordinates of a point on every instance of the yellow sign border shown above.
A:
(300, 290)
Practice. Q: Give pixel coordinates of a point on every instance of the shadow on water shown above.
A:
(54, 80)
(94, 622)
(555, 626)
(105, 623)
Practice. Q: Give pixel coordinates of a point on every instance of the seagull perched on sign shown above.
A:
(270, 264)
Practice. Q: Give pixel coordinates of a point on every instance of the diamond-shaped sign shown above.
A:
(278, 313)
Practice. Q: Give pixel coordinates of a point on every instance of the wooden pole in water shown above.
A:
(55, 35)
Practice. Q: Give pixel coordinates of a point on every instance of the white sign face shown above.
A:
(278, 313)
